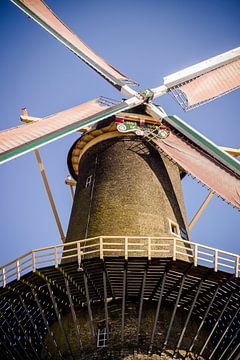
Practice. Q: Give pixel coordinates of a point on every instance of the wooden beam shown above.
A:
(42, 314)
(34, 325)
(17, 339)
(74, 317)
(24, 332)
(123, 302)
(89, 309)
(188, 317)
(229, 345)
(235, 153)
(174, 312)
(203, 320)
(105, 303)
(45, 181)
(49, 193)
(59, 319)
(200, 210)
(72, 184)
(157, 311)
(231, 151)
(141, 302)
(224, 333)
(216, 324)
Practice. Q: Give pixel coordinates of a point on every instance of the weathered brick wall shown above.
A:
(129, 346)
(132, 192)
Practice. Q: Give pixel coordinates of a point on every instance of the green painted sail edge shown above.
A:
(84, 57)
(204, 143)
(60, 133)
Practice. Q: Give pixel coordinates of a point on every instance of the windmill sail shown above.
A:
(24, 138)
(206, 80)
(41, 13)
(200, 157)
(205, 168)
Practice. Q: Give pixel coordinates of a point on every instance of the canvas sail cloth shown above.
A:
(206, 80)
(41, 13)
(24, 138)
(204, 167)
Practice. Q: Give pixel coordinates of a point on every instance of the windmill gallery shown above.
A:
(127, 279)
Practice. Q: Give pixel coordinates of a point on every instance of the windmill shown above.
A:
(124, 147)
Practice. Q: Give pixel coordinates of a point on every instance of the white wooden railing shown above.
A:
(103, 246)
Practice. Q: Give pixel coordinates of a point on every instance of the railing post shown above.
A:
(195, 255)
(55, 257)
(174, 248)
(149, 248)
(237, 266)
(4, 276)
(126, 248)
(79, 254)
(101, 247)
(18, 270)
(33, 261)
(216, 260)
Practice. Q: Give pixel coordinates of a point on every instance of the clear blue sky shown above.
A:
(146, 40)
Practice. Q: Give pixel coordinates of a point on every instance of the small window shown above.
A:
(88, 181)
(102, 338)
(174, 228)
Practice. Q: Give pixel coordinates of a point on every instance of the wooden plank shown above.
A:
(157, 311)
(141, 303)
(59, 319)
(89, 309)
(123, 302)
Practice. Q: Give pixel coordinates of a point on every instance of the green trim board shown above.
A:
(204, 143)
(12, 154)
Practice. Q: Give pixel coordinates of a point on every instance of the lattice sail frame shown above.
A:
(205, 81)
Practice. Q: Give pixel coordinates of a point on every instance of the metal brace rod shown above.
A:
(174, 312)
(16, 337)
(105, 302)
(188, 317)
(203, 320)
(59, 319)
(77, 329)
(34, 326)
(224, 333)
(157, 311)
(141, 303)
(89, 309)
(230, 343)
(123, 301)
(46, 323)
(234, 351)
(24, 332)
(216, 324)
(10, 348)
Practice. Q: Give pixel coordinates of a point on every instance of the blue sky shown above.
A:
(145, 40)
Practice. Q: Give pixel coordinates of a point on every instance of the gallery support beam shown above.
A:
(46, 323)
(203, 320)
(74, 317)
(90, 315)
(157, 312)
